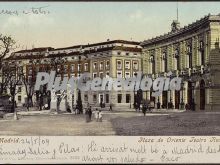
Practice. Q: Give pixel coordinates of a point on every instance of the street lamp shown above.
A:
(130, 101)
(182, 103)
(158, 103)
(193, 101)
(134, 104)
(79, 100)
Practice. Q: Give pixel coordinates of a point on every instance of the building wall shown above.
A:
(34, 61)
(203, 33)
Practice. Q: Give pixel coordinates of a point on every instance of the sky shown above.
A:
(71, 23)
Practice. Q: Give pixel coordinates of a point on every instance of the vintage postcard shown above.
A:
(109, 82)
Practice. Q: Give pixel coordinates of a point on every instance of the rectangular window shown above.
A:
(119, 64)
(128, 99)
(119, 98)
(101, 75)
(107, 74)
(94, 98)
(30, 70)
(101, 65)
(95, 66)
(86, 97)
(79, 67)
(65, 68)
(72, 67)
(94, 75)
(127, 64)
(86, 67)
(107, 65)
(19, 99)
(127, 75)
(19, 89)
(134, 74)
(135, 65)
(107, 98)
(119, 74)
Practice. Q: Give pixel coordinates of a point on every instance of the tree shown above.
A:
(56, 65)
(79, 102)
(12, 78)
(7, 44)
(29, 82)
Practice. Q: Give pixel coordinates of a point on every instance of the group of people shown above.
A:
(98, 114)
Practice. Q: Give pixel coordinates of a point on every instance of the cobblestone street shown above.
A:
(114, 123)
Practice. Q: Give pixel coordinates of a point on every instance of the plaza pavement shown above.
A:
(159, 122)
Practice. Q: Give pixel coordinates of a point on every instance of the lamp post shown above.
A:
(182, 103)
(79, 100)
(134, 104)
(158, 103)
(139, 98)
(130, 101)
(193, 101)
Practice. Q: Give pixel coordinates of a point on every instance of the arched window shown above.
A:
(164, 62)
(202, 54)
(176, 59)
(189, 56)
(152, 64)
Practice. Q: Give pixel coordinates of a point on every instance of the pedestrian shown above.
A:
(100, 116)
(87, 115)
(90, 113)
(96, 114)
(144, 109)
(110, 107)
(77, 109)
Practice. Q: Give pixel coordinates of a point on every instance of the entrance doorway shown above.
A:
(202, 95)
(177, 99)
(189, 93)
(164, 99)
(101, 98)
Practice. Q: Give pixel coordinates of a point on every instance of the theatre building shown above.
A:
(191, 52)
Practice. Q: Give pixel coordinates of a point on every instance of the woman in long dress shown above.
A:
(100, 116)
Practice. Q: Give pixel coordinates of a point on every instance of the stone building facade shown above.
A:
(117, 58)
(191, 52)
